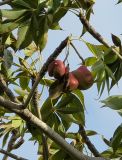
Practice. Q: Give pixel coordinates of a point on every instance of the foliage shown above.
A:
(24, 34)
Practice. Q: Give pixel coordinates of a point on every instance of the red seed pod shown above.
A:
(72, 82)
(56, 69)
(84, 77)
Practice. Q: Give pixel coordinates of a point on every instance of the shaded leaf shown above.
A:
(5, 139)
(43, 34)
(47, 108)
(116, 40)
(117, 138)
(24, 36)
(24, 82)
(8, 58)
(59, 155)
(119, 1)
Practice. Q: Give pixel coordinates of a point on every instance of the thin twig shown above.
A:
(18, 144)
(88, 142)
(38, 113)
(44, 69)
(12, 155)
(11, 142)
(96, 35)
(5, 2)
(83, 61)
(5, 88)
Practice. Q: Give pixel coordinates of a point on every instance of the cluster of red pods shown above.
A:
(80, 78)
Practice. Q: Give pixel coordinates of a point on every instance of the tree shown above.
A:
(24, 33)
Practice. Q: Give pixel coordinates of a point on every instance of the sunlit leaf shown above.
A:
(114, 102)
(12, 14)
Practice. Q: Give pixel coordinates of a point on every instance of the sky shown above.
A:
(106, 20)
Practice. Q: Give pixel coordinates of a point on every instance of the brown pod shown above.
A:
(84, 77)
(56, 69)
(72, 82)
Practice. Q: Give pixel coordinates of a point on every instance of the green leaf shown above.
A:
(71, 104)
(117, 75)
(20, 4)
(109, 56)
(90, 61)
(47, 108)
(68, 118)
(56, 89)
(97, 50)
(36, 133)
(109, 72)
(21, 92)
(24, 82)
(107, 153)
(43, 34)
(8, 27)
(23, 35)
(98, 66)
(116, 40)
(59, 14)
(120, 1)
(12, 14)
(117, 138)
(5, 139)
(46, 82)
(2, 111)
(68, 110)
(65, 123)
(79, 95)
(71, 135)
(8, 58)
(16, 123)
(59, 155)
(55, 26)
(114, 102)
(65, 2)
(91, 133)
(30, 50)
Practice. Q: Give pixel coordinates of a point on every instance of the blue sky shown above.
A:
(106, 20)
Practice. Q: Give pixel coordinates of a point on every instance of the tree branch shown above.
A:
(18, 144)
(44, 69)
(88, 142)
(11, 155)
(77, 155)
(96, 35)
(10, 105)
(26, 115)
(5, 2)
